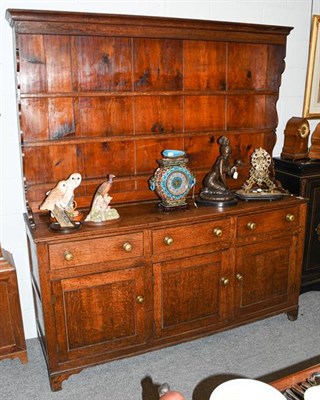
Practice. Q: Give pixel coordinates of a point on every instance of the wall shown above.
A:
(295, 13)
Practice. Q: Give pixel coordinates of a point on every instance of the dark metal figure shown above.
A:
(215, 190)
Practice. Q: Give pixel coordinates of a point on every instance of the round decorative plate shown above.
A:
(245, 389)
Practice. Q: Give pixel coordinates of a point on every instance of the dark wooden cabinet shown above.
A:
(12, 340)
(302, 178)
(100, 94)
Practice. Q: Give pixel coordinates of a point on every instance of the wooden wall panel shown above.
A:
(149, 151)
(248, 112)
(276, 66)
(204, 65)
(157, 64)
(61, 118)
(204, 113)
(104, 63)
(106, 116)
(32, 64)
(106, 158)
(158, 114)
(50, 163)
(202, 151)
(58, 63)
(247, 66)
(34, 119)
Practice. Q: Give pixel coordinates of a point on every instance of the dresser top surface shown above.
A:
(149, 216)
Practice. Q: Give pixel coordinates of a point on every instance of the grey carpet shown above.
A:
(264, 350)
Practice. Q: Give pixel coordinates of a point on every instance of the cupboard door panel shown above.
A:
(99, 312)
(188, 294)
(264, 275)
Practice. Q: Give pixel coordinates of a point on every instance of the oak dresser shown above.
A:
(100, 94)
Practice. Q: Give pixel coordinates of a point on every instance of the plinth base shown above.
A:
(216, 203)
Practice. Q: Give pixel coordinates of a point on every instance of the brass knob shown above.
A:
(217, 232)
(127, 246)
(168, 240)
(140, 299)
(239, 277)
(68, 256)
(251, 225)
(290, 217)
(224, 281)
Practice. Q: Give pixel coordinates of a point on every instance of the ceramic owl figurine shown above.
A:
(60, 200)
(73, 182)
(54, 196)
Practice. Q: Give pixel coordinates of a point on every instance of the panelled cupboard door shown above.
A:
(188, 293)
(264, 275)
(99, 313)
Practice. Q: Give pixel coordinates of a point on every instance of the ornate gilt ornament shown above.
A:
(260, 185)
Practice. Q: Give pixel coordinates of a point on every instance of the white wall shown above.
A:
(295, 13)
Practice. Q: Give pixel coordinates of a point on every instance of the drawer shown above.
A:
(94, 251)
(270, 221)
(188, 236)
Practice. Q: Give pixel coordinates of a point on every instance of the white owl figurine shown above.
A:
(73, 182)
(54, 196)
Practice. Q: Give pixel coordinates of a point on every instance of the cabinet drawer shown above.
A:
(182, 237)
(255, 224)
(105, 249)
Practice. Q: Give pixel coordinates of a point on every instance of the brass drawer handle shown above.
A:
(168, 240)
(140, 299)
(239, 277)
(68, 256)
(217, 232)
(251, 226)
(290, 217)
(127, 247)
(224, 281)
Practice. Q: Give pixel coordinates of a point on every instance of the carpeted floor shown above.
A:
(264, 350)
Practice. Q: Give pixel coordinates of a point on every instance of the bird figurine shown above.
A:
(105, 186)
(100, 210)
(54, 196)
(73, 182)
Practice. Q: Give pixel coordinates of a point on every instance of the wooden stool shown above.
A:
(12, 340)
